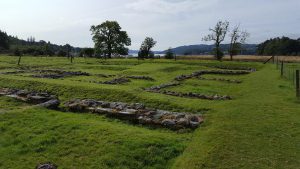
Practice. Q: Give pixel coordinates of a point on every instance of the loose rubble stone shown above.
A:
(39, 98)
(121, 80)
(46, 166)
(137, 113)
(140, 78)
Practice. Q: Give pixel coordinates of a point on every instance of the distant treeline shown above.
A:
(15, 46)
(280, 46)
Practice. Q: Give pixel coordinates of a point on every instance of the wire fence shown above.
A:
(289, 71)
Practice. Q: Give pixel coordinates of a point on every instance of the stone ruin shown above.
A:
(136, 113)
(126, 79)
(46, 166)
(219, 72)
(141, 78)
(234, 68)
(194, 95)
(56, 74)
(158, 89)
(162, 86)
(221, 79)
(39, 98)
(116, 81)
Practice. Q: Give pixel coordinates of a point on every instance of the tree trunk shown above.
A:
(19, 61)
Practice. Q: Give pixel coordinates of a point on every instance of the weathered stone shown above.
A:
(169, 123)
(56, 74)
(140, 78)
(135, 113)
(203, 72)
(117, 81)
(157, 88)
(46, 166)
(51, 104)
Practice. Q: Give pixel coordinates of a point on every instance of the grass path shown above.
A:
(258, 130)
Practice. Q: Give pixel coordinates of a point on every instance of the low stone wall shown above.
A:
(116, 81)
(140, 78)
(162, 86)
(221, 79)
(56, 74)
(137, 113)
(219, 72)
(234, 68)
(39, 98)
(158, 89)
(193, 95)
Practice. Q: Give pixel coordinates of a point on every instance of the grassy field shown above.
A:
(259, 128)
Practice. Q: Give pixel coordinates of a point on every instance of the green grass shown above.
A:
(259, 128)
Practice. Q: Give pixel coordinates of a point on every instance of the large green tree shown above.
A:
(145, 50)
(109, 39)
(4, 41)
(218, 35)
(279, 46)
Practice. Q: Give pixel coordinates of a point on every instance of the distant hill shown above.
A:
(202, 49)
(249, 49)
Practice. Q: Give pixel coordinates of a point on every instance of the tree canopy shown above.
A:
(283, 46)
(109, 39)
(4, 41)
(145, 50)
(218, 35)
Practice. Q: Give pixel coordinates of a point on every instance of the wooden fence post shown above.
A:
(297, 84)
(281, 68)
(277, 62)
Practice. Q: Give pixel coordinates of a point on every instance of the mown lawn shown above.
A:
(259, 128)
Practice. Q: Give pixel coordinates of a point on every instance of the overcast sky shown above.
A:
(171, 22)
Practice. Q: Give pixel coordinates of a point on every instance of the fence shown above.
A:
(290, 72)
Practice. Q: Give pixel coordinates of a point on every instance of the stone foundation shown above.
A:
(137, 113)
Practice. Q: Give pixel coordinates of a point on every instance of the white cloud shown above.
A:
(170, 22)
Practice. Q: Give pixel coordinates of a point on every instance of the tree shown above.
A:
(283, 46)
(237, 38)
(87, 52)
(68, 49)
(109, 39)
(169, 54)
(4, 41)
(218, 35)
(145, 50)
